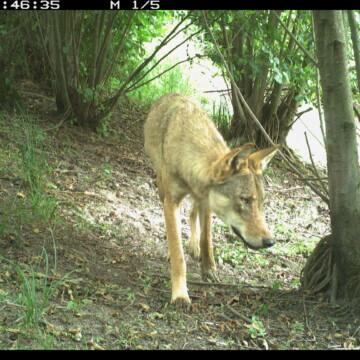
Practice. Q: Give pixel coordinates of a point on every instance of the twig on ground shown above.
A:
(241, 316)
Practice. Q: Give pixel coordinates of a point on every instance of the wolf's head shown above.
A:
(237, 195)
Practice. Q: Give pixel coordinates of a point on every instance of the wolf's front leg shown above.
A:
(208, 267)
(180, 297)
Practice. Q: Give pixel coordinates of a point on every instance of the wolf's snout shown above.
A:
(268, 242)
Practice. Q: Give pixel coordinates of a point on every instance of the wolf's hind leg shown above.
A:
(208, 267)
(160, 186)
(194, 246)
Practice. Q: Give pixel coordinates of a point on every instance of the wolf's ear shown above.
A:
(232, 162)
(260, 159)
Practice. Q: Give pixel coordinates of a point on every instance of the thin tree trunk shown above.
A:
(341, 147)
(356, 44)
(62, 98)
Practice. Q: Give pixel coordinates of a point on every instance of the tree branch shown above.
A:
(110, 103)
(133, 87)
(120, 45)
(356, 43)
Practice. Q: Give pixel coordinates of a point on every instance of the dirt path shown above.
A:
(110, 230)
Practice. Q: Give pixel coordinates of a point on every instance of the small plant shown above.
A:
(256, 328)
(221, 116)
(77, 305)
(277, 285)
(37, 288)
(108, 170)
(128, 337)
(264, 310)
(232, 251)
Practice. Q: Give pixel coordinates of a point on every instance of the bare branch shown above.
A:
(110, 103)
(132, 87)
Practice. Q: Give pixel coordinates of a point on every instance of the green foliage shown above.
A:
(177, 79)
(256, 328)
(146, 25)
(100, 55)
(89, 50)
(268, 66)
(268, 50)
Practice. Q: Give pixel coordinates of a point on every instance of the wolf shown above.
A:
(191, 157)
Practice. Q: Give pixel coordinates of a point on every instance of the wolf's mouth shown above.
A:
(238, 233)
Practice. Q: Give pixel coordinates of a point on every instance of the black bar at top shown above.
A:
(121, 5)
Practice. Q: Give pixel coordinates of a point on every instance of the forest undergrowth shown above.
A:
(83, 256)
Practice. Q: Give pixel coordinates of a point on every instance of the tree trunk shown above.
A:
(341, 148)
(356, 44)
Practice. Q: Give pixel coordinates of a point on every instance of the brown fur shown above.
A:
(191, 157)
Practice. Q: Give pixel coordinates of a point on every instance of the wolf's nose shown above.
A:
(268, 242)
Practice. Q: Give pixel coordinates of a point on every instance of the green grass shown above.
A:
(221, 115)
(36, 286)
(24, 160)
(33, 167)
(26, 298)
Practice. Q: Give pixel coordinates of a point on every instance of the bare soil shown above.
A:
(109, 232)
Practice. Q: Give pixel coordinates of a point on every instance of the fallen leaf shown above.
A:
(94, 346)
(156, 315)
(76, 334)
(144, 307)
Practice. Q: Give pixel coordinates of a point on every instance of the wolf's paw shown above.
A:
(182, 304)
(210, 275)
(194, 253)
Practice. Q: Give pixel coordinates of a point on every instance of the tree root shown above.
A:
(319, 273)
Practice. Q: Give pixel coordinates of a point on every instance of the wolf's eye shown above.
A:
(246, 200)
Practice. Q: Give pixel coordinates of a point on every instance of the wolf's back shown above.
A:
(177, 128)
